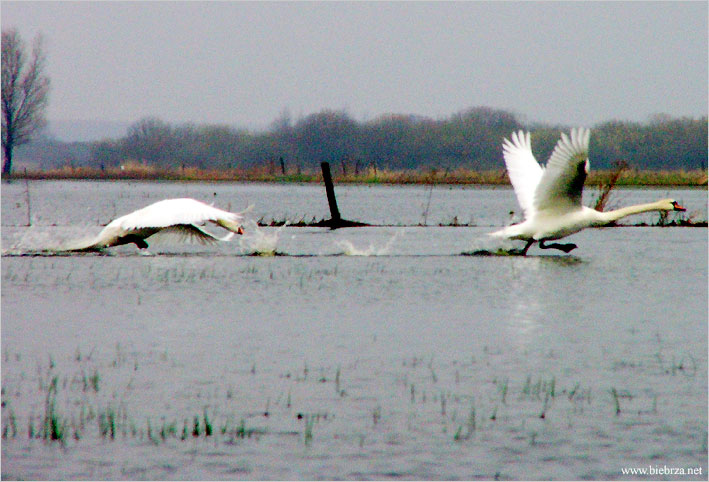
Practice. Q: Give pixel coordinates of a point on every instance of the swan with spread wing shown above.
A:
(550, 196)
(179, 217)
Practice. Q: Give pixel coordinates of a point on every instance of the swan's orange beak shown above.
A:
(677, 207)
(240, 230)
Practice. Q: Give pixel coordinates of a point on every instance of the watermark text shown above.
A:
(661, 470)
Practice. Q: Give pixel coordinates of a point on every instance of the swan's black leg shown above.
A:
(566, 248)
(526, 247)
(132, 238)
(140, 242)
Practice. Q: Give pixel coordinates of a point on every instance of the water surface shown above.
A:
(401, 359)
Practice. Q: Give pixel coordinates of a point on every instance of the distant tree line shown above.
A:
(469, 139)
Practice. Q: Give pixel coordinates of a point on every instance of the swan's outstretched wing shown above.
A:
(561, 184)
(181, 233)
(173, 212)
(523, 169)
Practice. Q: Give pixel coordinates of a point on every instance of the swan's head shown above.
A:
(671, 205)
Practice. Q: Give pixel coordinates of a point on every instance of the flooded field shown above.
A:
(366, 353)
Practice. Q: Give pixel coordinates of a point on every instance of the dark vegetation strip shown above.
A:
(461, 176)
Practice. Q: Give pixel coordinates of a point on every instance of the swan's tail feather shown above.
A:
(227, 237)
(513, 231)
(504, 233)
(83, 245)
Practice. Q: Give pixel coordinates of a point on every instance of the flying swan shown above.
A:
(551, 196)
(179, 217)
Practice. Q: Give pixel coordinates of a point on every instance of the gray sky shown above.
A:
(243, 64)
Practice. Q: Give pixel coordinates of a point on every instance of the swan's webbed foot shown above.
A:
(566, 248)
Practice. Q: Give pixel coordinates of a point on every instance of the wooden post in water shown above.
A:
(27, 199)
(336, 220)
(330, 191)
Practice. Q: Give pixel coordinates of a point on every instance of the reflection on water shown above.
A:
(526, 302)
(529, 300)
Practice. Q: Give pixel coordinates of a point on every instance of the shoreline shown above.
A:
(630, 178)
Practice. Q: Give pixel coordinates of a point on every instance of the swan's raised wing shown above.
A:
(523, 169)
(561, 184)
(173, 212)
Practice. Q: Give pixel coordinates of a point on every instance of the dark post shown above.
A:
(330, 191)
(27, 199)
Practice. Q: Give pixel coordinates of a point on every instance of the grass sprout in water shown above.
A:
(350, 249)
(259, 242)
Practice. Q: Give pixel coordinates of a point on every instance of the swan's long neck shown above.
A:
(616, 214)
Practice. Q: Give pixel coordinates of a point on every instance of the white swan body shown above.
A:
(551, 196)
(179, 217)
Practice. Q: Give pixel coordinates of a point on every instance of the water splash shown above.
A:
(258, 242)
(350, 249)
(46, 240)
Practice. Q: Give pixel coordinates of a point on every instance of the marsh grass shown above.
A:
(337, 382)
(54, 425)
(92, 381)
(541, 388)
(107, 423)
(196, 428)
(208, 430)
(606, 186)
(616, 400)
(308, 430)
(468, 409)
(503, 388)
(376, 414)
(10, 427)
(467, 431)
(168, 430)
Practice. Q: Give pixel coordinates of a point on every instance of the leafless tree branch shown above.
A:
(25, 93)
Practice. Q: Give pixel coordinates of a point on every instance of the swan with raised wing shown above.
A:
(550, 196)
(179, 217)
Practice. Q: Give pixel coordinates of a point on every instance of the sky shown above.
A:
(245, 64)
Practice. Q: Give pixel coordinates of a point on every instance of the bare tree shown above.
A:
(25, 90)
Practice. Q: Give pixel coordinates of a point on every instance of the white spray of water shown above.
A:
(350, 249)
(259, 242)
(45, 240)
